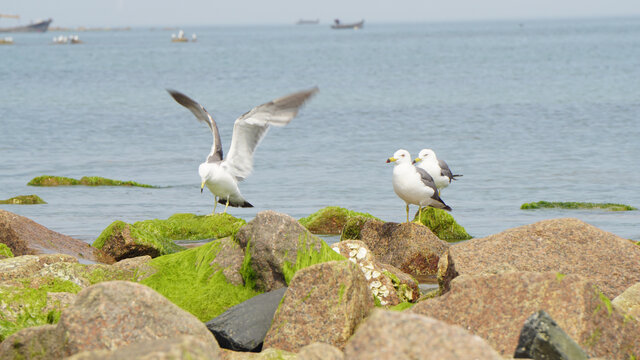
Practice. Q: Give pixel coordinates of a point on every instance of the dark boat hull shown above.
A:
(357, 25)
(40, 26)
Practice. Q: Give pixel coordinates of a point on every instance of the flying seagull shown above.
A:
(437, 168)
(413, 184)
(222, 176)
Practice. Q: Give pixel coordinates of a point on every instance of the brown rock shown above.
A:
(113, 314)
(387, 283)
(182, 347)
(137, 266)
(229, 259)
(28, 265)
(121, 245)
(412, 247)
(629, 301)
(320, 351)
(324, 303)
(274, 239)
(34, 343)
(401, 335)
(267, 354)
(26, 237)
(495, 308)
(568, 246)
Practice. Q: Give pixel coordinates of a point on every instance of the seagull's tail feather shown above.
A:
(241, 203)
(453, 177)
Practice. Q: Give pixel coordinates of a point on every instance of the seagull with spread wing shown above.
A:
(222, 176)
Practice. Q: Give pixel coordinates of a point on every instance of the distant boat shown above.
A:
(308, 22)
(355, 26)
(39, 26)
(179, 37)
(6, 41)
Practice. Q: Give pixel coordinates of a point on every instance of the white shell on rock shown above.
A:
(362, 252)
(352, 253)
(375, 274)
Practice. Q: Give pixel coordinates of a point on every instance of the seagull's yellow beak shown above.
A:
(416, 160)
(391, 159)
(202, 187)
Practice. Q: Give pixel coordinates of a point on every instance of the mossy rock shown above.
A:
(5, 251)
(24, 200)
(307, 255)
(353, 227)
(188, 280)
(576, 205)
(156, 237)
(330, 220)
(443, 225)
(49, 180)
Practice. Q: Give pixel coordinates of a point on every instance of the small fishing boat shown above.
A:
(308, 22)
(338, 25)
(179, 38)
(6, 41)
(38, 26)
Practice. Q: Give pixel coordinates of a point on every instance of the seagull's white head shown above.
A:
(204, 170)
(426, 155)
(400, 157)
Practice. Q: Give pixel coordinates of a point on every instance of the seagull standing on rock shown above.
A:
(222, 176)
(438, 169)
(414, 185)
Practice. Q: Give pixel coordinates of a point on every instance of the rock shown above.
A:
(400, 335)
(26, 237)
(320, 351)
(244, 326)
(34, 343)
(113, 314)
(330, 220)
(494, 307)
(181, 347)
(24, 200)
(267, 354)
(324, 303)
(629, 301)
(412, 248)
(48, 180)
(353, 228)
(568, 246)
(121, 241)
(387, 283)
(278, 247)
(542, 338)
(28, 265)
(137, 266)
(443, 225)
(229, 260)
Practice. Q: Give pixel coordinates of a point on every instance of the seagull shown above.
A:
(222, 176)
(413, 184)
(438, 169)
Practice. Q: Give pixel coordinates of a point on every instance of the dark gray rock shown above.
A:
(542, 339)
(244, 326)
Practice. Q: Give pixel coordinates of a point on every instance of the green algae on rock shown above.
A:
(353, 227)
(24, 200)
(330, 220)
(5, 252)
(307, 255)
(443, 225)
(576, 205)
(156, 237)
(190, 281)
(49, 180)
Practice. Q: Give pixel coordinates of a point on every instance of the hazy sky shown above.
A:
(214, 12)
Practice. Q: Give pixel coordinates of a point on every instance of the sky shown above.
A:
(118, 13)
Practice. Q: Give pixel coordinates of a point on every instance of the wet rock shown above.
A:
(387, 283)
(330, 220)
(320, 351)
(542, 338)
(181, 347)
(568, 246)
(629, 301)
(412, 248)
(324, 303)
(244, 326)
(278, 247)
(494, 307)
(401, 335)
(229, 260)
(26, 237)
(34, 343)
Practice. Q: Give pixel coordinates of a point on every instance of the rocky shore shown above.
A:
(270, 289)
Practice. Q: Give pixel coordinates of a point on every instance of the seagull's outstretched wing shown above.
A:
(251, 127)
(201, 114)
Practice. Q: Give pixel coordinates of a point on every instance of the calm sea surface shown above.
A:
(538, 110)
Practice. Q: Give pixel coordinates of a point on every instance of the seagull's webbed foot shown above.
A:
(226, 206)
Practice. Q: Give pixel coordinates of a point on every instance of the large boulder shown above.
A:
(324, 303)
(411, 247)
(28, 265)
(320, 351)
(229, 260)
(26, 237)
(495, 307)
(389, 335)
(629, 301)
(568, 246)
(278, 246)
(181, 347)
(542, 338)
(244, 326)
(388, 284)
(38, 342)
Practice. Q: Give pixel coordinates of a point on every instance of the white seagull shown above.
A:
(414, 185)
(438, 169)
(222, 176)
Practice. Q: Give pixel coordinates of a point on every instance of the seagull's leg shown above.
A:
(215, 204)
(407, 213)
(226, 206)
(419, 214)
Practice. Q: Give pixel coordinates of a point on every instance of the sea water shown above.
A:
(526, 111)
